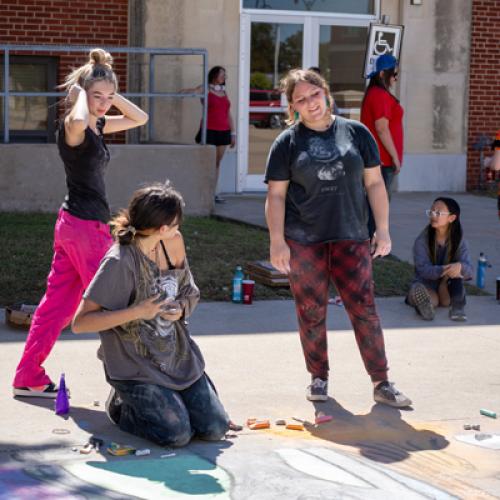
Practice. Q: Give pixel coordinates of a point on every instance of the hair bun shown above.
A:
(101, 57)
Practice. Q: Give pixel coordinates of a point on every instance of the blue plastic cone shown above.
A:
(62, 402)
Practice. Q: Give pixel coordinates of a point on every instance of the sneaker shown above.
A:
(113, 406)
(387, 394)
(419, 296)
(318, 390)
(48, 391)
(457, 314)
(219, 199)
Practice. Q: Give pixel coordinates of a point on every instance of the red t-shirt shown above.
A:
(379, 103)
(218, 112)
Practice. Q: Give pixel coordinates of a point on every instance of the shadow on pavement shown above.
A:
(185, 471)
(381, 435)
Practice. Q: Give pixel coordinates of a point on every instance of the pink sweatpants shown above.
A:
(79, 246)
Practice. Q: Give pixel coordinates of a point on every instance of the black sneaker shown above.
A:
(457, 314)
(113, 406)
(387, 394)
(318, 390)
(421, 300)
(48, 391)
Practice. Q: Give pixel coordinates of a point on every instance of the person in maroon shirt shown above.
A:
(382, 113)
(220, 125)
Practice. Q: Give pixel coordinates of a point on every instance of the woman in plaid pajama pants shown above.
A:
(319, 172)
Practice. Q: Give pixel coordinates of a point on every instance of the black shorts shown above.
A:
(215, 137)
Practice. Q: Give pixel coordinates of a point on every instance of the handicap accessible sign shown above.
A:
(382, 39)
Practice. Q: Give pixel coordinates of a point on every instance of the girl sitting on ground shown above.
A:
(138, 301)
(442, 263)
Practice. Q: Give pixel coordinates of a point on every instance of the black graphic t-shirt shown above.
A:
(326, 198)
(85, 166)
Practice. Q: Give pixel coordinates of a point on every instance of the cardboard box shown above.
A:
(19, 315)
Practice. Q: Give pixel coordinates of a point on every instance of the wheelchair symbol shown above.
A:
(381, 46)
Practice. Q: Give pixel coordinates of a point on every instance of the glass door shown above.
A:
(341, 60)
(274, 47)
(271, 45)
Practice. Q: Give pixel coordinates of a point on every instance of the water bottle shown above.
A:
(237, 295)
(482, 264)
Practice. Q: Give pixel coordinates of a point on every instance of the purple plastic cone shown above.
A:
(62, 402)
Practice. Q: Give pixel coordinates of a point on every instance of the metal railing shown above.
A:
(151, 94)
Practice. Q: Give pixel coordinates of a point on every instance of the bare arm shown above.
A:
(77, 119)
(379, 203)
(495, 162)
(132, 116)
(384, 134)
(191, 90)
(275, 217)
(90, 317)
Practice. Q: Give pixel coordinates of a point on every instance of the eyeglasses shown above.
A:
(435, 213)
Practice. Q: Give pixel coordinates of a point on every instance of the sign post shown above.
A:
(382, 39)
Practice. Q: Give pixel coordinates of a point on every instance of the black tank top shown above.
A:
(85, 166)
(169, 262)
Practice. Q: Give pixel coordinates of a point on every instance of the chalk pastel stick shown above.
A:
(295, 427)
(488, 413)
(260, 424)
(323, 419)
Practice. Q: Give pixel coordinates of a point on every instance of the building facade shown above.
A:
(448, 85)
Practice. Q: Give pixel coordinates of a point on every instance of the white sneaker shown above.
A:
(318, 390)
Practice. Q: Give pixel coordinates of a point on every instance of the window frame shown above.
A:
(37, 136)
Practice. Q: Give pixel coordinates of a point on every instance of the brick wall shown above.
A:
(82, 22)
(484, 81)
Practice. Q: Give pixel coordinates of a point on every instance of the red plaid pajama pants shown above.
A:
(348, 264)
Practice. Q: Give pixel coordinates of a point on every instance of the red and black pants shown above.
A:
(348, 264)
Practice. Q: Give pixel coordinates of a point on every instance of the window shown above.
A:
(31, 119)
(341, 59)
(366, 7)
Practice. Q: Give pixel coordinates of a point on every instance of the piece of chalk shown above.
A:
(322, 419)
(476, 427)
(167, 455)
(251, 421)
(260, 424)
(480, 436)
(280, 421)
(295, 427)
(467, 427)
(86, 449)
(488, 413)
(140, 453)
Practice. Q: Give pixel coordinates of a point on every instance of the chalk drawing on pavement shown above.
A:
(177, 477)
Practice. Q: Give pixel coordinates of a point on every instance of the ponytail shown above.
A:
(150, 208)
(122, 229)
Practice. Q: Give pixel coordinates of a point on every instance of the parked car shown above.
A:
(266, 98)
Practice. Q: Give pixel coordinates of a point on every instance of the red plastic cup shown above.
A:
(247, 286)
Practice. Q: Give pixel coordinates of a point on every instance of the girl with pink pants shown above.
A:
(81, 236)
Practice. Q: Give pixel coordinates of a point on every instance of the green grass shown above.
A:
(214, 249)
(491, 191)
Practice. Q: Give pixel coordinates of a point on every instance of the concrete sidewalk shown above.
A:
(253, 354)
(407, 218)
